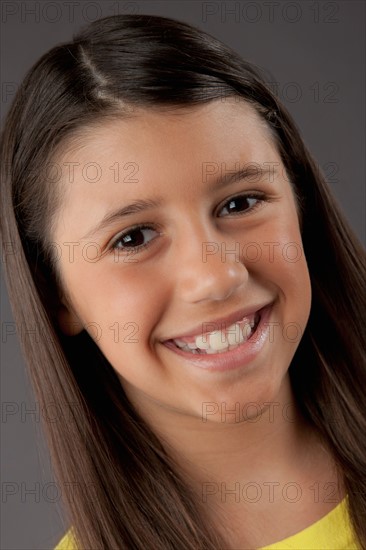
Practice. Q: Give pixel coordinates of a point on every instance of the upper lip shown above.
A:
(221, 322)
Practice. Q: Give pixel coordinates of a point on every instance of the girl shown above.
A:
(198, 293)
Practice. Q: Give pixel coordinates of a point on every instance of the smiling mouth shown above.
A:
(221, 341)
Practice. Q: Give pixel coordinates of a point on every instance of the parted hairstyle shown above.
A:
(129, 492)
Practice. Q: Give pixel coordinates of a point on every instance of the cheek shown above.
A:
(132, 306)
(118, 303)
(281, 265)
(294, 282)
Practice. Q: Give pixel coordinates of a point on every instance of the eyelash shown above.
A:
(260, 197)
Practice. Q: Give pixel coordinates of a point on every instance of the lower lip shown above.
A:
(231, 359)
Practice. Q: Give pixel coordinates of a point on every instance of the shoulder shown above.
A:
(333, 532)
(67, 542)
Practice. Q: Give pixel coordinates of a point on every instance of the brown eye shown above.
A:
(242, 204)
(135, 238)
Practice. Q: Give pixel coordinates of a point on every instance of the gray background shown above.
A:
(314, 55)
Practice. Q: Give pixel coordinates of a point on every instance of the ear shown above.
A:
(57, 302)
(68, 321)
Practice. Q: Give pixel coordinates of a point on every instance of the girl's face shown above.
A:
(210, 250)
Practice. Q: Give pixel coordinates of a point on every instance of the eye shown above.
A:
(135, 238)
(243, 203)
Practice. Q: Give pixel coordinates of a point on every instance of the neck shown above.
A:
(271, 442)
(249, 470)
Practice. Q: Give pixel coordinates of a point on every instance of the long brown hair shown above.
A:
(128, 492)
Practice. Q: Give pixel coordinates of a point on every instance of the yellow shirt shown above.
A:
(331, 532)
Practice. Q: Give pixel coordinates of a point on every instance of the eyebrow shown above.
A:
(143, 205)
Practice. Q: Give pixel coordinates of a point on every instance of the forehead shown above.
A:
(211, 127)
(160, 151)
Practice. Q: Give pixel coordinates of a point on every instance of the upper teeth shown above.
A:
(219, 340)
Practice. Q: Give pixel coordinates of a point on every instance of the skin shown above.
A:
(167, 290)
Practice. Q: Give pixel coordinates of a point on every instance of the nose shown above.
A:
(210, 267)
